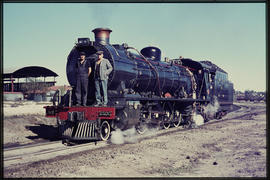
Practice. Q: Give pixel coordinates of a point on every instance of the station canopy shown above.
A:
(31, 71)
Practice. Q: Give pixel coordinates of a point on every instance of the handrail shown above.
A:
(150, 66)
(57, 95)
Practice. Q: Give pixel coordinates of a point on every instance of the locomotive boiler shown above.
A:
(143, 90)
(142, 72)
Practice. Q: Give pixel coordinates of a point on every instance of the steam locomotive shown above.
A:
(143, 91)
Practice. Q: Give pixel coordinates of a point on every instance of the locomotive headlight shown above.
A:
(84, 41)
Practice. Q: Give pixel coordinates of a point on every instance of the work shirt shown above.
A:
(83, 69)
(97, 73)
(105, 69)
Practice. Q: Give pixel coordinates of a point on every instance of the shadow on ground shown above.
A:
(43, 131)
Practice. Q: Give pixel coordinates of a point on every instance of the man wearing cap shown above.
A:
(83, 71)
(102, 70)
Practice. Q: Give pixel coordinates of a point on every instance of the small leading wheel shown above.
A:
(105, 130)
(188, 122)
(166, 125)
(177, 119)
(167, 120)
(141, 127)
(205, 117)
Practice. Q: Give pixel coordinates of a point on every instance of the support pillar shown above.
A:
(18, 86)
(12, 85)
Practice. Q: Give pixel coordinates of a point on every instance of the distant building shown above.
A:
(28, 82)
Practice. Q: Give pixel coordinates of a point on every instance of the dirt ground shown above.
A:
(25, 122)
(231, 148)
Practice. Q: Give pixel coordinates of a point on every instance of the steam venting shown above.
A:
(198, 119)
(102, 35)
(130, 136)
(127, 136)
(212, 108)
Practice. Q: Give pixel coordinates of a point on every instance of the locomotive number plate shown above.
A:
(104, 114)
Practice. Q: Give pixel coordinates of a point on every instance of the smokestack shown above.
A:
(102, 35)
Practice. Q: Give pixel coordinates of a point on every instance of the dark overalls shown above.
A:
(82, 82)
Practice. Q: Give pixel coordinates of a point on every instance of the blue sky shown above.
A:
(231, 35)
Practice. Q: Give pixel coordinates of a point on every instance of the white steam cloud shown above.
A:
(127, 136)
(209, 110)
(130, 135)
(198, 119)
(212, 108)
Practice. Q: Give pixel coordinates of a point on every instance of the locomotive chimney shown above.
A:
(102, 35)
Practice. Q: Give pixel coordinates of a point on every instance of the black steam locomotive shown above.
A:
(143, 91)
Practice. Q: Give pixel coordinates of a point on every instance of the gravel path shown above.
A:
(232, 148)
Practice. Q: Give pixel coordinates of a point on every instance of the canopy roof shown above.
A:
(31, 71)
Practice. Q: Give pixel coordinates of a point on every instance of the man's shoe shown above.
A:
(98, 104)
(84, 105)
(77, 105)
(104, 105)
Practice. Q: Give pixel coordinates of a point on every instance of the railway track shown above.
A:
(43, 151)
(48, 150)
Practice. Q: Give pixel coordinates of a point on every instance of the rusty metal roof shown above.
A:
(31, 71)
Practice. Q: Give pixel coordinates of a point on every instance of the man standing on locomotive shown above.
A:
(102, 70)
(83, 71)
